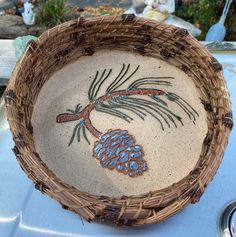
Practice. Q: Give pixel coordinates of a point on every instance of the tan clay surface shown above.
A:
(170, 154)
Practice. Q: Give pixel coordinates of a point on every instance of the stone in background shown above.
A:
(12, 26)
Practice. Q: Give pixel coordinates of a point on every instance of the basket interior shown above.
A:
(171, 152)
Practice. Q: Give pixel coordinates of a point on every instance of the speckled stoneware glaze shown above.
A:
(119, 123)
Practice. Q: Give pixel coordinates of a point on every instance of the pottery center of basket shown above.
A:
(113, 95)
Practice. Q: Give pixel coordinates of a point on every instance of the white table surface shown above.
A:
(25, 212)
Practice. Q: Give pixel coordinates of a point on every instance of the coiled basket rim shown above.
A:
(82, 37)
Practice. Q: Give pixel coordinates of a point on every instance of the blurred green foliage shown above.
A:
(52, 12)
(202, 13)
(205, 13)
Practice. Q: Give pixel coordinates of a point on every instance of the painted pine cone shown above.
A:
(117, 149)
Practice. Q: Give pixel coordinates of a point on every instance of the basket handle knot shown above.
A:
(128, 17)
(228, 119)
(41, 187)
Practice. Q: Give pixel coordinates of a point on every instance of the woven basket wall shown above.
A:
(82, 37)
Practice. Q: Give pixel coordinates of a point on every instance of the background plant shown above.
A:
(52, 12)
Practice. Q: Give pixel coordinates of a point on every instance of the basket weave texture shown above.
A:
(67, 42)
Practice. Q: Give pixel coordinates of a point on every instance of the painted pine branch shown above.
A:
(116, 149)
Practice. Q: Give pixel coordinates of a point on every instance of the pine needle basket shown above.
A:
(82, 37)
